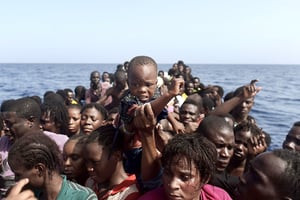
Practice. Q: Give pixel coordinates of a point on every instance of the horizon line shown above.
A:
(157, 63)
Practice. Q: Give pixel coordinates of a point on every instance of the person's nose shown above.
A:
(239, 147)
(67, 162)
(173, 183)
(225, 152)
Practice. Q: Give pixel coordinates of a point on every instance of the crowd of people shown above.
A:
(141, 133)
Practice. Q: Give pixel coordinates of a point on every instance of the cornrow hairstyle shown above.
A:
(80, 139)
(194, 148)
(98, 107)
(105, 136)
(141, 61)
(288, 184)
(36, 148)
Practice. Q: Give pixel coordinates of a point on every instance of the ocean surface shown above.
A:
(276, 108)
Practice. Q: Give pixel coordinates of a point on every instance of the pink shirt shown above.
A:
(208, 192)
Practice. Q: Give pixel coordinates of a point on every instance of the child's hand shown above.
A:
(176, 86)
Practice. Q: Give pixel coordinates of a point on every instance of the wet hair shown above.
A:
(141, 61)
(98, 107)
(58, 113)
(24, 107)
(107, 137)
(36, 148)
(195, 149)
(288, 184)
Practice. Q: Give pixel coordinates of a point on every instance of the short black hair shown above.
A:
(289, 181)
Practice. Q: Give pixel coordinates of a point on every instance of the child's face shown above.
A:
(98, 163)
(142, 81)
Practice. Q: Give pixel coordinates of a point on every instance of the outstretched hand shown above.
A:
(251, 89)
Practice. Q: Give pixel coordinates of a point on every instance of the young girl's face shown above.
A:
(181, 180)
(73, 159)
(91, 119)
(99, 164)
(74, 120)
(142, 82)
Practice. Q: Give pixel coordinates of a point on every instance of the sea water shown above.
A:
(276, 108)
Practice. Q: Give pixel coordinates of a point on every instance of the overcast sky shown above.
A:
(111, 31)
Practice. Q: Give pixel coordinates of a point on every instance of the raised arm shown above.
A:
(248, 91)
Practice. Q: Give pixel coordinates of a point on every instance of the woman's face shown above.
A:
(73, 160)
(74, 120)
(182, 180)
(91, 119)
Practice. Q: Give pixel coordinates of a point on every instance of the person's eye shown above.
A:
(75, 157)
(185, 177)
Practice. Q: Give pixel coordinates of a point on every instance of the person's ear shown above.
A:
(40, 169)
(117, 156)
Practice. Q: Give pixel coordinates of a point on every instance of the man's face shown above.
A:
(223, 138)
(15, 126)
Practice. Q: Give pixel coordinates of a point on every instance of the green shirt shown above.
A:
(74, 191)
